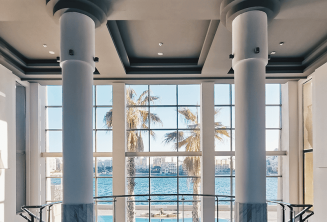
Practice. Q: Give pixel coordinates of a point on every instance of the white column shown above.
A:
(249, 32)
(119, 146)
(77, 34)
(208, 150)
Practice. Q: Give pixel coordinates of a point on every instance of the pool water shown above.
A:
(109, 219)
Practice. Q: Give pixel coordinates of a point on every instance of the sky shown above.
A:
(187, 95)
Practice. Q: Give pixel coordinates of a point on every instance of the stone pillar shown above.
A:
(78, 20)
(208, 150)
(77, 52)
(248, 21)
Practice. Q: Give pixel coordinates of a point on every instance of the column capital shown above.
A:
(98, 10)
(230, 9)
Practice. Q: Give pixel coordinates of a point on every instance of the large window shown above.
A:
(163, 145)
(225, 141)
(102, 144)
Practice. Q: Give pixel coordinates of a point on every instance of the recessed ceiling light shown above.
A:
(45, 45)
(281, 43)
(273, 53)
(160, 43)
(52, 52)
(160, 53)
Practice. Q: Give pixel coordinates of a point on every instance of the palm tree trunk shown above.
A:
(130, 189)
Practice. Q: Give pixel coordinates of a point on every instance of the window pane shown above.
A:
(222, 94)
(233, 94)
(163, 166)
(233, 117)
(272, 188)
(137, 166)
(233, 140)
(189, 95)
(54, 95)
(166, 94)
(164, 186)
(137, 117)
(222, 117)
(189, 117)
(104, 186)
(272, 116)
(54, 189)
(189, 141)
(54, 166)
(136, 95)
(163, 118)
(54, 141)
(222, 166)
(272, 165)
(54, 116)
(163, 140)
(138, 186)
(189, 166)
(222, 186)
(104, 141)
(104, 166)
(101, 120)
(272, 140)
(222, 140)
(137, 141)
(272, 93)
(104, 95)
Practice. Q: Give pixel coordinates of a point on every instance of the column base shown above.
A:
(77, 213)
(249, 212)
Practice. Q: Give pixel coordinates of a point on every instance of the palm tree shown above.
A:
(192, 144)
(136, 118)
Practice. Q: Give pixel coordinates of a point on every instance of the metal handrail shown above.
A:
(291, 207)
(114, 197)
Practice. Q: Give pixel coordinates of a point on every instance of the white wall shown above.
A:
(319, 111)
(8, 145)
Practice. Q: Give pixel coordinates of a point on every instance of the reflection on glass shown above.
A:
(54, 116)
(165, 93)
(307, 115)
(104, 166)
(54, 141)
(54, 95)
(272, 165)
(308, 178)
(104, 141)
(104, 95)
(272, 116)
(222, 94)
(188, 94)
(54, 166)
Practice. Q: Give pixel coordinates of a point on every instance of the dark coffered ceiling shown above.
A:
(195, 44)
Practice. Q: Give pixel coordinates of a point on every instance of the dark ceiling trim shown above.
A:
(171, 78)
(21, 66)
(161, 66)
(213, 26)
(282, 65)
